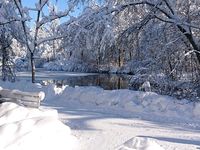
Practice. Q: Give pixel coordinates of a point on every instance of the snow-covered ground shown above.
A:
(104, 120)
(30, 129)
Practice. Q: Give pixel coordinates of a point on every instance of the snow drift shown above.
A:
(128, 100)
(33, 129)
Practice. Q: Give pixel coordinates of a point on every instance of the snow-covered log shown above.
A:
(29, 99)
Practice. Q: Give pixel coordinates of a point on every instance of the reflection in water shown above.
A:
(106, 81)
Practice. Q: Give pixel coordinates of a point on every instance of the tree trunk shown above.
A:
(4, 64)
(32, 67)
(194, 45)
(192, 42)
(54, 51)
(119, 57)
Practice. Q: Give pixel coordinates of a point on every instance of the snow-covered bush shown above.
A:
(53, 66)
(70, 66)
(78, 66)
(21, 64)
(163, 85)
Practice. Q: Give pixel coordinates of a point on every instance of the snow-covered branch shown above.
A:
(41, 4)
(23, 21)
(55, 16)
(177, 22)
(121, 7)
(171, 17)
(51, 38)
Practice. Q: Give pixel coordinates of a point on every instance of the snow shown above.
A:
(28, 128)
(133, 101)
(101, 120)
(140, 143)
(53, 74)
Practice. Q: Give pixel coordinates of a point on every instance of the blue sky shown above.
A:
(61, 5)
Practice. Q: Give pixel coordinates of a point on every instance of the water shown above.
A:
(106, 81)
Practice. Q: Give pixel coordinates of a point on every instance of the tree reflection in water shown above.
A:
(106, 81)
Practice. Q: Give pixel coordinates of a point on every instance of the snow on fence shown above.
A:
(29, 99)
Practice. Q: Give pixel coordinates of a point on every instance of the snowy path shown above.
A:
(101, 129)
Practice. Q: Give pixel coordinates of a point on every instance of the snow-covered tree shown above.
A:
(89, 37)
(166, 34)
(50, 48)
(9, 29)
(33, 41)
(158, 38)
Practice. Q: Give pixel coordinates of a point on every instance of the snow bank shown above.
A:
(33, 129)
(134, 101)
(139, 143)
(129, 100)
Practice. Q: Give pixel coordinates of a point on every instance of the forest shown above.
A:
(154, 41)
